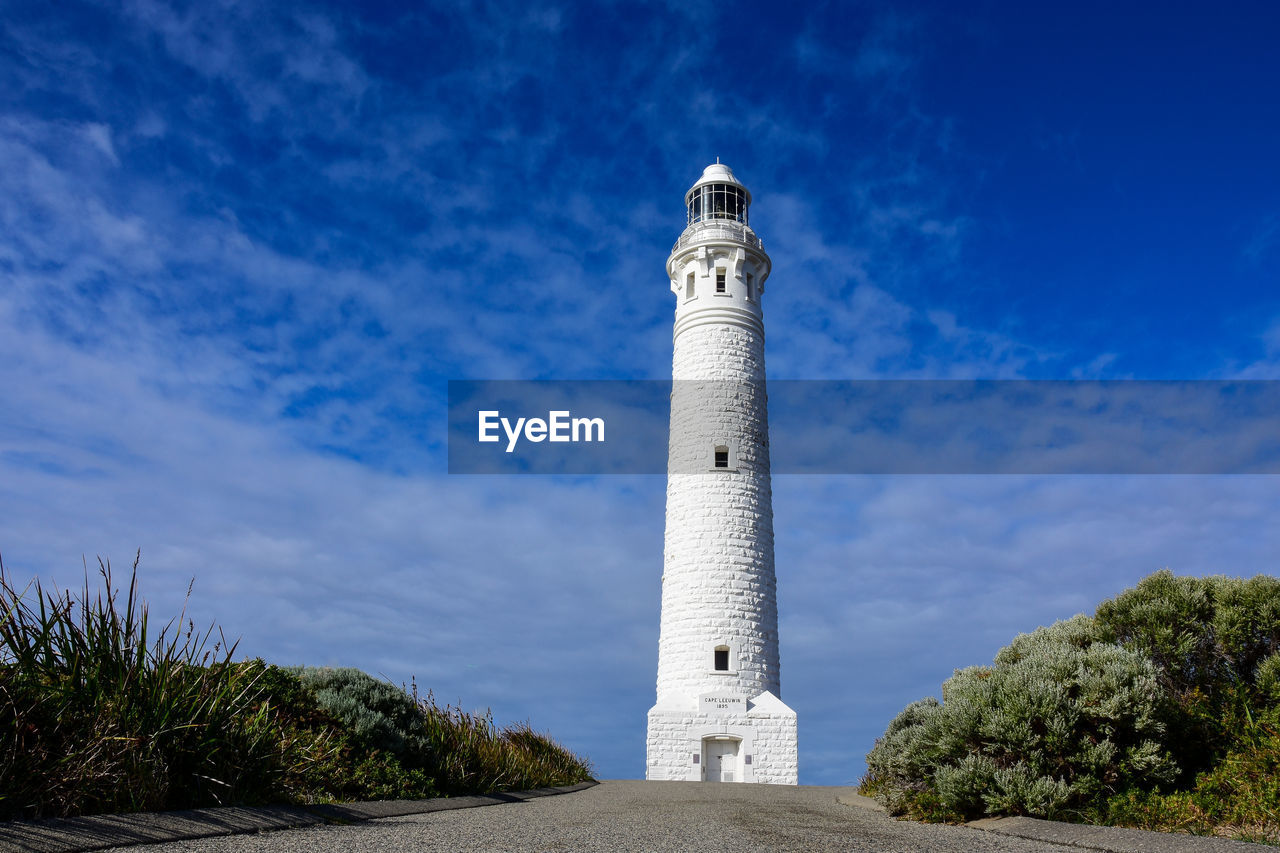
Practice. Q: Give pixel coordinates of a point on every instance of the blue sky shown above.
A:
(244, 246)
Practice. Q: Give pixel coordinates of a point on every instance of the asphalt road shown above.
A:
(636, 816)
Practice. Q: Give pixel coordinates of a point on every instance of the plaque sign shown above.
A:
(722, 703)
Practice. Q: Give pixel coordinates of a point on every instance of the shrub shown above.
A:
(377, 714)
(321, 759)
(434, 750)
(1268, 682)
(1239, 797)
(1058, 721)
(1210, 639)
(1173, 683)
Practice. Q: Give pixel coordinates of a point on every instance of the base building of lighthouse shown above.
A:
(719, 716)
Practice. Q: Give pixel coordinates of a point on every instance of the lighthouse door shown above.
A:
(722, 759)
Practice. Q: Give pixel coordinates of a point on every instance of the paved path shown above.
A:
(637, 816)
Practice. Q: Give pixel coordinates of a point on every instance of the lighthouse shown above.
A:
(719, 715)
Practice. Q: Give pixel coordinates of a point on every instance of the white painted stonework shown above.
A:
(718, 714)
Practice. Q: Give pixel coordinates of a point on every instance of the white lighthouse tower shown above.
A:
(719, 716)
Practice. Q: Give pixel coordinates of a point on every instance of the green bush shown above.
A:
(447, 749)
(377, 714)
(1205, 634)
(1268, 682)
(1209, 639)
(1239, 797)
(1057, 721)
(322, 758)
(1160, 711)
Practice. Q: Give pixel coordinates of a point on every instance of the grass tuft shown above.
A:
(101, 712)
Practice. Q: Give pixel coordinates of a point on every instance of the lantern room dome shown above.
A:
(719, 173)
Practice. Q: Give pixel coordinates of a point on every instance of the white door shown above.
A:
(722, 760)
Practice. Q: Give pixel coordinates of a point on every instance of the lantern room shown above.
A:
(716, 196)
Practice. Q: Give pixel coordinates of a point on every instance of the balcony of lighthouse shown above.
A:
(718, 231)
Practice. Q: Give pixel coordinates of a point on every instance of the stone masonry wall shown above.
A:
(777, 745)
(718, 584)
(768, 737)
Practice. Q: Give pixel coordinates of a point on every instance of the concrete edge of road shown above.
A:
(98, 832)
(1109, 839)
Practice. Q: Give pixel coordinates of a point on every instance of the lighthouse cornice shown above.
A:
(711, 245)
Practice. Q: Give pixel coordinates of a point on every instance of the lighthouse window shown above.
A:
(751, 288)
(727, 202)
(718, 201)
(722, 457)
(722, 658)
(688, 287)
(695, 208)
(719, 281)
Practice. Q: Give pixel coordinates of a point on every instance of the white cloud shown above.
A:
(99, 135)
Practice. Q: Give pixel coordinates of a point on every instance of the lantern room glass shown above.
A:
(718, 201)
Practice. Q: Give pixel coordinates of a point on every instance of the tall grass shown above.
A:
(101, 712)
(395, 742)
(471, 754)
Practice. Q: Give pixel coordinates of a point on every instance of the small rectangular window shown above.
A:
(722, 660)
(722, 458)
(751, 288)
(719, 281)
(688, 287)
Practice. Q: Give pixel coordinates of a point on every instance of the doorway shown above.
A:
(720, 762)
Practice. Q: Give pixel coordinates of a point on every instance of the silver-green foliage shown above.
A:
(378, 714)
(462, 752)
(1060, 720)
